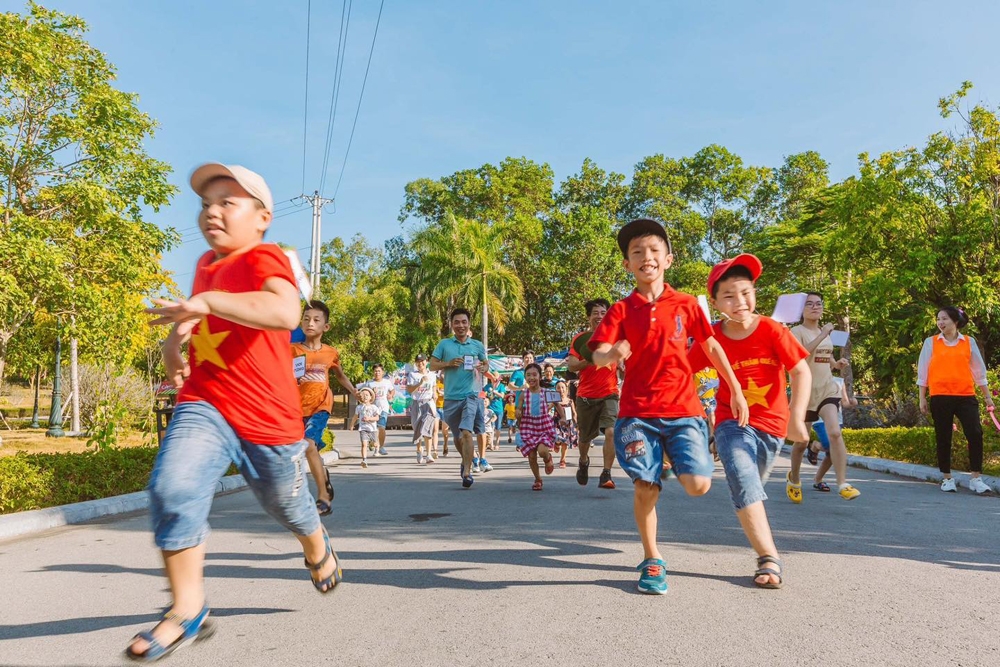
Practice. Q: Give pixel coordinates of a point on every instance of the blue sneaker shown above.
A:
(484, 465)
(653, 580)
(475, 465)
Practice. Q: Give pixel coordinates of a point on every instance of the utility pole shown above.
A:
(318, 203)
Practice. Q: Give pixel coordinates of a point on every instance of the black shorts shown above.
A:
(813, 415)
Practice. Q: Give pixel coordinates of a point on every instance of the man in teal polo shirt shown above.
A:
(464, 362)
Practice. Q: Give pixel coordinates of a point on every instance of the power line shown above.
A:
(338, 70)
(305, 105)
(360, 97)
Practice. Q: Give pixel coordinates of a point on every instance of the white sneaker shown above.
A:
(430, 458)
(364, 464)
(978, 485)
(420, 459)
(950, 485)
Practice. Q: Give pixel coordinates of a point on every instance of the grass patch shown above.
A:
(917, 445)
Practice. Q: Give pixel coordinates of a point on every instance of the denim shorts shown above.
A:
(642, 442)
(747, 456)
(315, 426)
(196, 451)
(383, 419)
(465, 414)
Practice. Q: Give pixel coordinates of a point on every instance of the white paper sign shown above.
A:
(299, 365)
(567, 413)
(703, 302)
(789, 308)
(470, 362)
(839, 338)
(301, 279)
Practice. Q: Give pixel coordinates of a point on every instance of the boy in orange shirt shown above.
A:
(315, 360)
(238, 402)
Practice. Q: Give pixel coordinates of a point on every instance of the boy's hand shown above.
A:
(923, 406)
(827, 328)
(177, 367)
(797, 431)
(620, 351)
(184, 312)
(739, 406)
(852, 402)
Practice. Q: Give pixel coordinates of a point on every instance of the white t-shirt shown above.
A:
(381, 389)
(367, 410)
(427, 382)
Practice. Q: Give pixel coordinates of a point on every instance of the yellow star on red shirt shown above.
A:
(206, 345)
(756, 395)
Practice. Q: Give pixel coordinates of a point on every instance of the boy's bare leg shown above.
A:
(185, 572)
(314, 549)
(609, 447)
(695, 485)
(838, 450)
(753, 518)
(466, 445)
(381, 437)
(482, 445)
(318, 471)
(824, 467)
(644, 507)
(798, 449)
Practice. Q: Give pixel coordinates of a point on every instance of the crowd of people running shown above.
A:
(247, 397)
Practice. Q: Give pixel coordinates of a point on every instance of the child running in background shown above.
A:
(567, 433)
(536, 430)
(368, 415)
(510, 416)
(491, 423)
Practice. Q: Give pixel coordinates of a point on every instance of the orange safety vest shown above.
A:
(949, 373)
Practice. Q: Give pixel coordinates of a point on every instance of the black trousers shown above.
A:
(944, 409)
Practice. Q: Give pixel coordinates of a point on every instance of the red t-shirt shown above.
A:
(245, 373)
(759, 361)
(658, 377)
(594, 382)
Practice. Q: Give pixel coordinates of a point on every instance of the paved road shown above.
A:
(502, 575)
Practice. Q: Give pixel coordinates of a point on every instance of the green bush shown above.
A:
(34, 481)
(917, 445)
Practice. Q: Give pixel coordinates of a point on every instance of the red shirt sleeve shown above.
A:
(199, 285)
(700, 329)
(787, 347)
(268, 261)
(611, 329)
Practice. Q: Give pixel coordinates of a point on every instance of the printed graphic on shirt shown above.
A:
(756, 395)
(678, 329)
(206, 345)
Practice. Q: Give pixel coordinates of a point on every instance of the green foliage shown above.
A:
(34, 481)
(917, 445)
(105, 425)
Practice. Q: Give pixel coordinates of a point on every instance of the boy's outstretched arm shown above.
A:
(344, 381)
(275, 307)
(607, 354)
(717, 355)
(801, 381)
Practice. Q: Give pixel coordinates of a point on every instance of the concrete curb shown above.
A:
(916, 471)
(36, 521)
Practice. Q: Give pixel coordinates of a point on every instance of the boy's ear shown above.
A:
(326, 327)
(669, 261)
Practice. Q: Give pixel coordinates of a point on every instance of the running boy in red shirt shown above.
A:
(315, 361)
(660, 418)
(760, 350)
(238, 402)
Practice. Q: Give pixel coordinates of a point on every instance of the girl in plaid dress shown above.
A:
(536, 429)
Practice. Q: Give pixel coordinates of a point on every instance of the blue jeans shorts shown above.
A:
(383, 419)
(196, 451)
(465, 414)
(642, 443)
(747, 456)
(315, 426)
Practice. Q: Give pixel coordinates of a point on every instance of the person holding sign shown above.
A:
(464, 362)
(422, 386)
(596, 398)
(567, 435)
(824, 399)
(951, 367)
(315, 360)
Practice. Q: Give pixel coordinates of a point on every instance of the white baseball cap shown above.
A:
(250, 181)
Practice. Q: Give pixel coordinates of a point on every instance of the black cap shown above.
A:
(421, 357)
(641, 227)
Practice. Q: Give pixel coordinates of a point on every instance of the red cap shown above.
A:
(746, 260)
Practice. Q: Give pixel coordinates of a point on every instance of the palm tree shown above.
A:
(461, 261)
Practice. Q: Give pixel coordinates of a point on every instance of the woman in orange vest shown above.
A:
(951, 367)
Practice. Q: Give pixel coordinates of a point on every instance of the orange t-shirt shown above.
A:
(243, 372)
(314, 386)
(948, 373)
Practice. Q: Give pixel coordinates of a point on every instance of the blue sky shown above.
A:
(457, 84)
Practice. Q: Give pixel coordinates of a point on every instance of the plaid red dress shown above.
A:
(535, 428)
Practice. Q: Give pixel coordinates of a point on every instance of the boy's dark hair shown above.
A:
(732, 272)
(320, 306)
(533, 365)
(460, 311)
(596, 302)
(376, 366)
(547, 365)
(956, 315)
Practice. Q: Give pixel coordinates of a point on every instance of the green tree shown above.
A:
(76, 176)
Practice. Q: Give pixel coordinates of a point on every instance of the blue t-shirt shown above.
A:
(496, 402)
(517, 378)
(459, 383)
